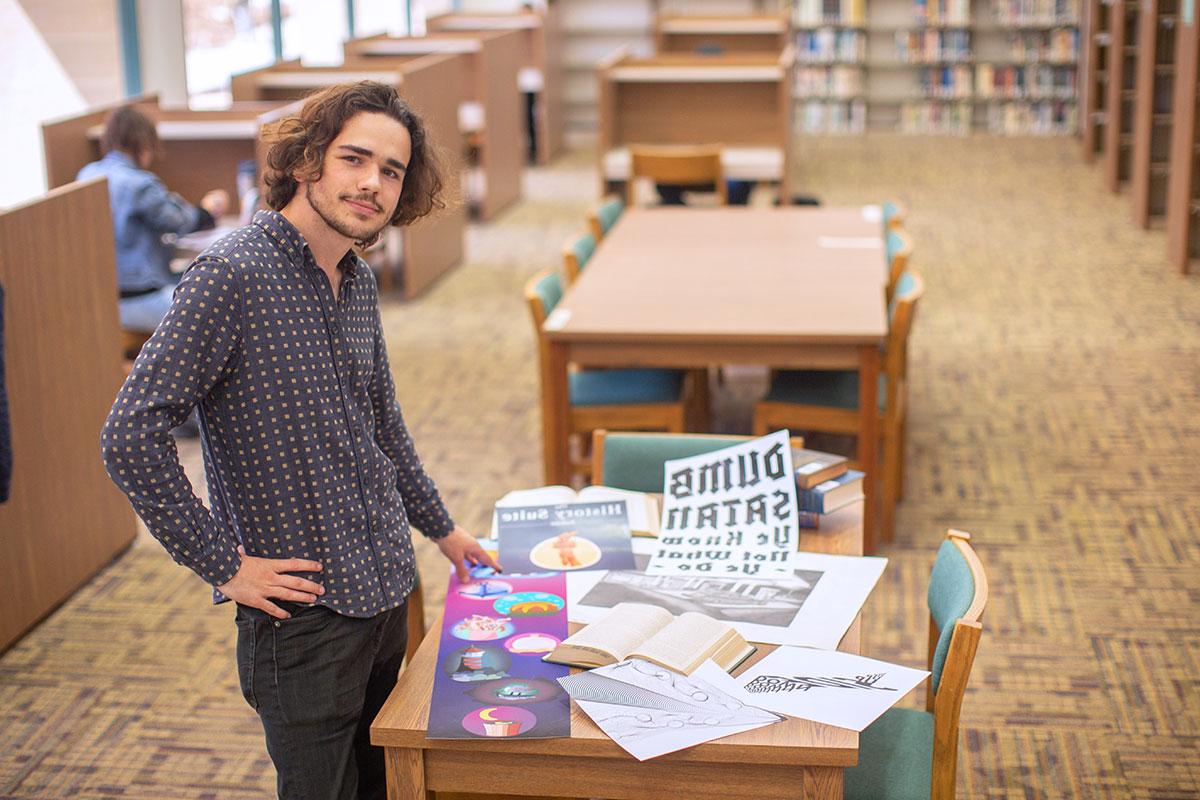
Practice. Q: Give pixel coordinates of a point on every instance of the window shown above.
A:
(313, 30)
(222, 38)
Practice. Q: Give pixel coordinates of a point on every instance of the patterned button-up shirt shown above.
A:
(305, 449)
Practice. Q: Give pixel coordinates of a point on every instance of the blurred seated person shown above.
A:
(671, 194)
(143, 212)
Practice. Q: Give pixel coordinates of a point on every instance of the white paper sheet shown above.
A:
(729, 513)
(811, 608)
(827, 686)
(691, 709)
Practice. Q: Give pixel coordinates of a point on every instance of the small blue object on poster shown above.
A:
(564, 538)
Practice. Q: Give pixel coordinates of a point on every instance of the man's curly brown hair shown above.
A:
(298, 145)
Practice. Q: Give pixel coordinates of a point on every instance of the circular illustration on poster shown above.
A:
(529, 604)
(531, 644)
(515, 691)
(482, 628)
(477, 663)
(566, 551)
(477, 571)
(499, 722)
(485, 589)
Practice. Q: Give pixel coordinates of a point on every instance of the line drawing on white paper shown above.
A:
(803, 683)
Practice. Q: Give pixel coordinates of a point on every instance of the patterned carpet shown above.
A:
(1055, 414)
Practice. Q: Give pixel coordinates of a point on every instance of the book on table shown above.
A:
(813, 467)
(830, 495)
(636, 630)
(643, 509)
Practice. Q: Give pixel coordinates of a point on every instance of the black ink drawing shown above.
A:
(778, 683)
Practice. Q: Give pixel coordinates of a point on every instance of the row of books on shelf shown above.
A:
(1037, 82)
(1036, 12)
(1046, 118)
(838, 81)
(1058, 45)
(935, 117)
(942, 12)
(825, 45)
(947, 81)
(922, 47)
(813, 13)
(825, 116)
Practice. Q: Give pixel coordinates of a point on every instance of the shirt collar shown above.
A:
(119, 157)
(279, 228)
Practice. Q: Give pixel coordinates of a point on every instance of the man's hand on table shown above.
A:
(462, 548)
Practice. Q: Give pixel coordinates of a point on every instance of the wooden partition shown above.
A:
(761, 33)
(414, 256)
(1183, 188)
(742, 101)
(491, 115)
(1122, 75)
(541, 64)
(201, 150)
(65, 519)
(1152, 110)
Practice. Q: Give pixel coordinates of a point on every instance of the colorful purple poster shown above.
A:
(491, 682)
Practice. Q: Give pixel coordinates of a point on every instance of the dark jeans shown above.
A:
(317, 681)
(671, 194)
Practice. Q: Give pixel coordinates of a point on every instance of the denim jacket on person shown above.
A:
(143, 211)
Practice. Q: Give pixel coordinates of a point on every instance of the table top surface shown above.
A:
(403, 719)
(733, 274)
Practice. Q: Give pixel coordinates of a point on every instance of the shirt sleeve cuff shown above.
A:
(436, 526)
(220, 563)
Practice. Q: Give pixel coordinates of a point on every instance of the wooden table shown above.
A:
(792, 760)
(789, 288)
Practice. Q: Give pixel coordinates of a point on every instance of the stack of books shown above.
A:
(824, 484)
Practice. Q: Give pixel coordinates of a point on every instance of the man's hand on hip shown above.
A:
(462, 548)
(260, 580)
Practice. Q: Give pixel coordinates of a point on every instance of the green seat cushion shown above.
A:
(635, 462)
(951, 591)
(895, 758)
(890, 210)
(583, 248)
(609, 213)
(904, 285)
(607, 387)
(549, 290)
(829, 388)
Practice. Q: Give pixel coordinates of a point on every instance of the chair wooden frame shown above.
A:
(899, 260)
(898, 218)
(668, 417)
(772, 415)
(594, 225)
(681, 164)
(946, 703)
(600, 435)
(571, 266)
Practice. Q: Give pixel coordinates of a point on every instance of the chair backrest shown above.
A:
(902, 310)
(577, 251)
(634, 461)
(898, 247)
(542, 293)
(678, 164)
(604, 216)
(894, 214)
(958, 595)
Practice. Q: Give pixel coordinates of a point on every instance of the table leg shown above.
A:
(405, 773)
(556, 415)
(823, 783)
(868, 439)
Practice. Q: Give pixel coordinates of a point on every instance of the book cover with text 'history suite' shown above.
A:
(563, 538)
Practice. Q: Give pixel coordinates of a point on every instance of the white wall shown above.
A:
(160, 42)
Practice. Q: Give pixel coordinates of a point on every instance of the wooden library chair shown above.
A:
(897, 248)
(908, 753)
(604, 216)
(634, 461)
(637, 399)
(827, 400)
(894, 214)
(683, 165)
(577, 252)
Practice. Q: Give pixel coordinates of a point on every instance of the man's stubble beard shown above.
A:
(329, 218)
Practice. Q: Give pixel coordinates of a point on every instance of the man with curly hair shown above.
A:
(313, 478)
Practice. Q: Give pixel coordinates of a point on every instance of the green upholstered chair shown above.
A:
(604, 216)
(908, 754)
(894, 214)
(634, 461)
(898, 248)
(637, 399)
(827, 400)
(577, 252)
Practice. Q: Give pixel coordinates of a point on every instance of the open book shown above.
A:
(644, 513)
(635, 630)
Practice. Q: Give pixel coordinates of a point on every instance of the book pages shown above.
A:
(626, 627)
